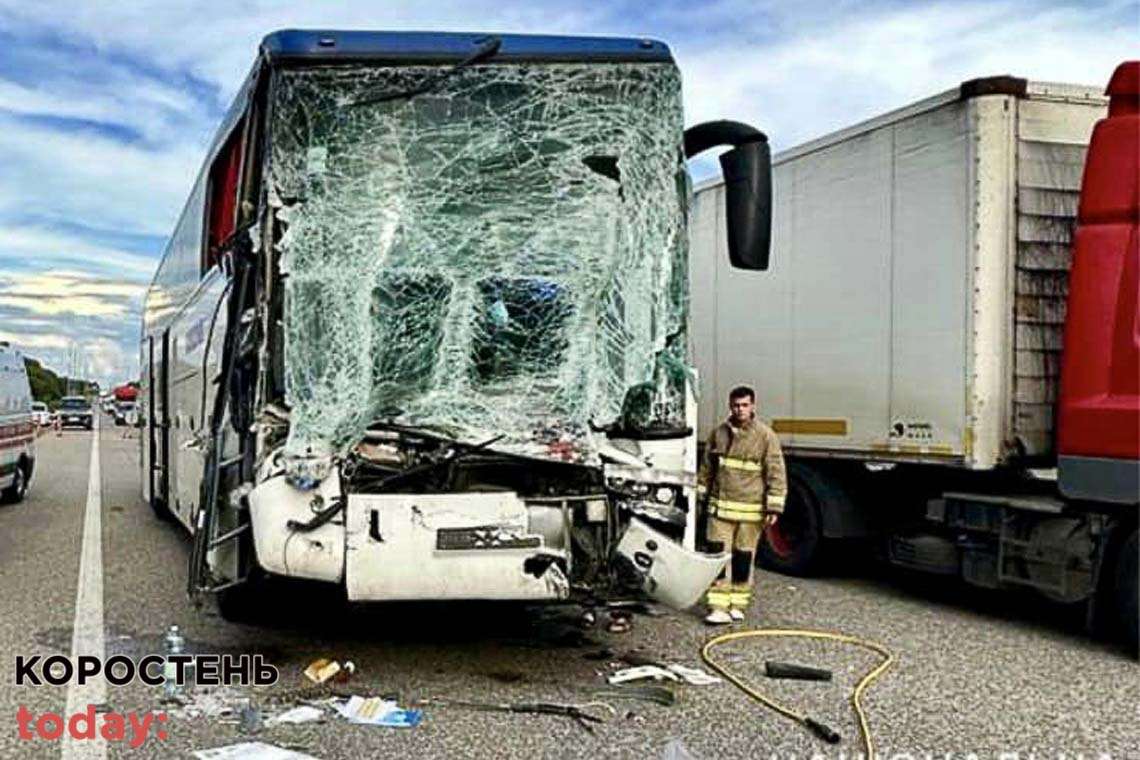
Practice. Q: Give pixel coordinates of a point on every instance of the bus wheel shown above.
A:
(1128, 588)
(792, 546)
(161, 509)
(16, 492)
(246, 602)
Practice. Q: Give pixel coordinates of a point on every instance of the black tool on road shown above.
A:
(774, 669)
(577, 712)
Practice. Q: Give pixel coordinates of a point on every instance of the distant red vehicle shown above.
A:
(126, 393)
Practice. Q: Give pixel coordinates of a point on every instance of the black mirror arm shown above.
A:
(711, 134)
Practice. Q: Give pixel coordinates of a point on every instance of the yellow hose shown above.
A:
(801, 718)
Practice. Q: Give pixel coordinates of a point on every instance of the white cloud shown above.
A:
(64, 284)
(28, 342)
(164, 70)
(68, 318)
(50, 248)
(108, 362)
(94, 180)
(854, 66)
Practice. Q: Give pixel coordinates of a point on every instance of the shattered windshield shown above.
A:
(504, 255)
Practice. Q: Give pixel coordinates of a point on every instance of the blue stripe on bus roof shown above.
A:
(296, 44)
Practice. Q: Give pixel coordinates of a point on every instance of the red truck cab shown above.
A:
(1099, 409)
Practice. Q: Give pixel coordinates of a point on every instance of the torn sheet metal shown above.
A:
(669, 573)
(503, 254)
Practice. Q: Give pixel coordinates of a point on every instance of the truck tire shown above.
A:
(1128, 588)
(793, 545)
(16, 492)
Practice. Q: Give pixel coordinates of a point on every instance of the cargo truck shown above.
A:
(420, 331)
(948, 340)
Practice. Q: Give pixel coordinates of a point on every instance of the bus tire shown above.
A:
(244, 603)
(1127, 588)
(16, 492)
(161, 509)
(793, 546)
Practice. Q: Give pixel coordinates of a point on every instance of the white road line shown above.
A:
(87, 635)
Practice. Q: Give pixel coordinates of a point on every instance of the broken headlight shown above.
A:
(656, 502)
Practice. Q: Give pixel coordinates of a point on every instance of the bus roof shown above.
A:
(313, 46)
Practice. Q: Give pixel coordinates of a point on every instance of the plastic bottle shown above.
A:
(174, 644)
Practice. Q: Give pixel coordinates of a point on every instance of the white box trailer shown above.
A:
(914, 308)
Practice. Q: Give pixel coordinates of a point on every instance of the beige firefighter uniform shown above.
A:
(743, 479)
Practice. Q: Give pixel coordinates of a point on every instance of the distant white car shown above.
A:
(41, 415)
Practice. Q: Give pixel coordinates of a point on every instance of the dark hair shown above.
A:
(741, 391)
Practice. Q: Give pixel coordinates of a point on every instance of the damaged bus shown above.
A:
(421, 329)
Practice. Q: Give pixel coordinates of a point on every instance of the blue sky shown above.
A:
(106, 108)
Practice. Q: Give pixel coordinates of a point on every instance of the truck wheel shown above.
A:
(16, 492)
(792, 546)
(1128, 588)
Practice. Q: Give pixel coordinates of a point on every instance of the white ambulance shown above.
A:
(17, 427)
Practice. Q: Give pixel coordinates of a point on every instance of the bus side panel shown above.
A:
(146, 409)
(192, 390)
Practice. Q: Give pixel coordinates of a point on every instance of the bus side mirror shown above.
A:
(747, 170)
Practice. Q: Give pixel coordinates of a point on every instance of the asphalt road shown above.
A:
(976, 673)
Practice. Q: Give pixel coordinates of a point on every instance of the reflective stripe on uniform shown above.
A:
(738, 511)
(734, 506)
(719, 599)
(733, 463)
(740, 517)
(740, 599)
(776, 501)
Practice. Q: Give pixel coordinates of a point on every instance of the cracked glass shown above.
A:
(504, 255)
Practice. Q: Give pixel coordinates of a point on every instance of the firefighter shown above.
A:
(743, 485)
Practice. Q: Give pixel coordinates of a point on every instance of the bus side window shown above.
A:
(221, 206)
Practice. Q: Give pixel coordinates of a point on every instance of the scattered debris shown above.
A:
(301, 714)
(694, 676)
(588, 619)
(636, 658)
(691, 676)
(773, 669)
(323, 670)
(506, 676)
(620, 622)
(251, 721)
(251, 751)
(579, 713)
(375, 711)
(220, 702)
(634, 605)
(661, 695)
(676, 750)
(174, 644)
(599, 655)
(642, 672)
